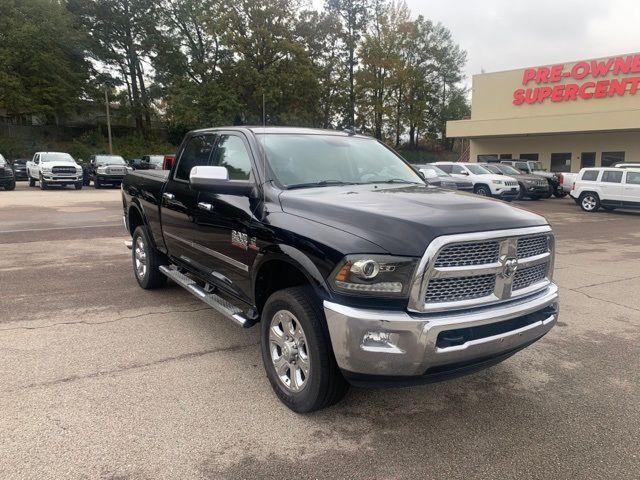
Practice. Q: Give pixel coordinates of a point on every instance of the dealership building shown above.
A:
(568, 116)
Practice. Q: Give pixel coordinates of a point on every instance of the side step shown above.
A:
(214, 301)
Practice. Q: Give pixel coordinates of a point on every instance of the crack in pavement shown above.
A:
(610, 281)
(603, 299)
(85, 322)
(135, 366)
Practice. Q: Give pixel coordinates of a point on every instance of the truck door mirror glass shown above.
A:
(216, 180)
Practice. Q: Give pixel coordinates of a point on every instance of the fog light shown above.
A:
(381, 342)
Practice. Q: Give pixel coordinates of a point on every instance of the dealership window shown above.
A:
(491, 157)
(529, 156)
(612, 176)
(560, 162)
(611, 158)
(587, 159)
(506, 156)
(590, 175)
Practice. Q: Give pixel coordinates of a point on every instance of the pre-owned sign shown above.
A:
(585, 81)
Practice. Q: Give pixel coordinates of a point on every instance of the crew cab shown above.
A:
(7, 178)
(534, 167)
(107, 170)
(485, 183)
(357, 271)
(54, 168)
(609, 188)
(531, 186)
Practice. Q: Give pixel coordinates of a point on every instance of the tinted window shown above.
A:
(611, 158)
(506, 156)
(633, 178)
(561, 162)
(587, 159)
(612, 177)
(529, 156)
(522, 166)
(195, 153)
(457, 169)
(232, 153)
(491, 157)
(445, 168)
(590, 175)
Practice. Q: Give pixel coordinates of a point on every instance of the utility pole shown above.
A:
(106, 102)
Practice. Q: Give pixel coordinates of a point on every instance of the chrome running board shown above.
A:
(214, 301)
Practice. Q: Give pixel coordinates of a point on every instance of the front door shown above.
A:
(224, 220)
(180, 204)
(631, 192)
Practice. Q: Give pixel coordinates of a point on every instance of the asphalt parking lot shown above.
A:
(100, 379)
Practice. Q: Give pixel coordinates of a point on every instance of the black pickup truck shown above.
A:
(358, 272)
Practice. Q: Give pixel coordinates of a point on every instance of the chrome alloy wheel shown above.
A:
(589, 203)
(288, 349)
(140, 258)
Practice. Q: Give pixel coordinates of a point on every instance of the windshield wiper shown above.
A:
(322, 183)
(397, 180)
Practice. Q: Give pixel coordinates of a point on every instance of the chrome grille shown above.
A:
(115, 171)
(510, 183)
(462, 288)
(467, 254)
(63, 170)
(475, 269)
(529, 276)
(533, 246)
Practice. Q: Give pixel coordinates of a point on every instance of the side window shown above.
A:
(633, 178)
(445, 168)
(196, 153)
(457, 169)
(612, 177)
(522, 166)
(590, 175)
(232, 153)
(36, 159)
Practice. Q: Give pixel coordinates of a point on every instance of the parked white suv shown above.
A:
(609, 188)
(627, 165)
(54, 168)
(484, 182)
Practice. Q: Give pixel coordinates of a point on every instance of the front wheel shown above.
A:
(43, 184)
(483, 191)
(146, 260)
(78, 185)
(32, 181)
(589, 202)
(522, 192)
(297, 353)
(10, 186)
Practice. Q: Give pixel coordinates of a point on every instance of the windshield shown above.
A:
(20, 162)
(477, 169)
(56, 157)
(535, 166)
(300, 160)
(493, 169)
(110, 160)
(508, 170)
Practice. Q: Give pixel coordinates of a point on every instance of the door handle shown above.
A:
(205, 206)
(169, 196)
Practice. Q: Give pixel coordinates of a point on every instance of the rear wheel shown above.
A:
(589, 202)
(297, 353)
(146, 260)
(483, 191)
(10, 186)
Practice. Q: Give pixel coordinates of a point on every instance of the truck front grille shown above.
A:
(493, 267)
(65, 170)
(510, 183)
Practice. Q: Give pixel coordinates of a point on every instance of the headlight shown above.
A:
(530, 182)
(46, 169)
(129, 169)
(497, 182)
(102, 170)
(373, 275)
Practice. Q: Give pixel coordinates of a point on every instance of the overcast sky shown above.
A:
(506, 34)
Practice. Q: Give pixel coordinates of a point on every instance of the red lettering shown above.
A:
(518, 96)
(531, 95)
(602, 88)
(558, 93)
(600, 69)
(556, 73)
(622, 65)
(635, 64)
(529, 74)
(634, 81)
(543, 94)
(617, 87)
(542, 76)
(583, 90)
(580, 70)
(571, 91)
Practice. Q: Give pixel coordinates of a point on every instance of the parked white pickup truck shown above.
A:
(54, 168)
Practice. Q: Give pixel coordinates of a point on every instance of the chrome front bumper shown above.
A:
(414, 346)
(49, 178)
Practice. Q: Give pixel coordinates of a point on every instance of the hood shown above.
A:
(527, 176)
(494, 176)
(542, 173)
(60, 163)
(403, 220)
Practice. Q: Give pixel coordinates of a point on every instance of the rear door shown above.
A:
(224, 220)
(631, 190)
(611, 187)
(180, 204)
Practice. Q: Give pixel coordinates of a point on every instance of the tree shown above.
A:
(354, 15)
(43, 69)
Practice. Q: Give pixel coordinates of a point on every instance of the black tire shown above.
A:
(522, 193)
(78, 185)
(97, 184)
(535, 197)
(152, 277)
(32, 181)
(549, 192)
(325, 385)
(10, 186)
(43, 184)
(559, 193)
(483, 191)
(589, 202)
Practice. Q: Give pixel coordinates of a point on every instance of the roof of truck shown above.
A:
(286, 130)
